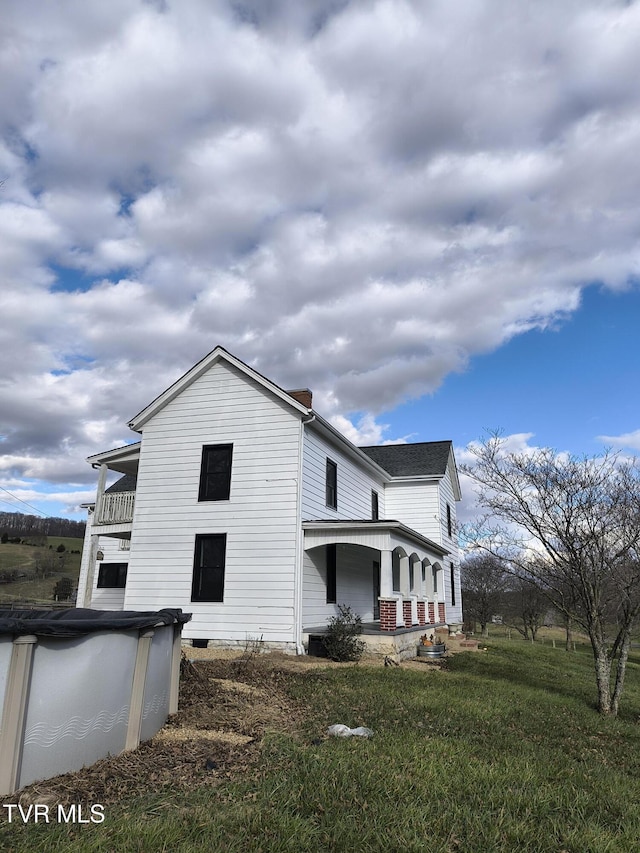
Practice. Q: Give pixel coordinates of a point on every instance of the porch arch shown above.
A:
(409, 572)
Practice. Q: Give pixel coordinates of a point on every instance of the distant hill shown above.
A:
(16, 524)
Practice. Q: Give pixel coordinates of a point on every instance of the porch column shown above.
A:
(102, 479)
(386, 574)
(437, 591)
(414, 611)
(430, 609)
(405, 590)
(90, 549)
(405, 586)
(390, 612)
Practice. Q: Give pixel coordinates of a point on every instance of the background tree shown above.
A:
(63, 589)
(572, 526)
(524, 606)
(484, 582)
(49, 562)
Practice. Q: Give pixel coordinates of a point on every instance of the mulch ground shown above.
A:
(227, 704)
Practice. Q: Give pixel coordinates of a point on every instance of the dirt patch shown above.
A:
(227, 704)
(228, 701)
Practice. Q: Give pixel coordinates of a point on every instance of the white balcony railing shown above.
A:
(116, 508)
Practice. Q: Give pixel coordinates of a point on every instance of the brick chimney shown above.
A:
(302, 395)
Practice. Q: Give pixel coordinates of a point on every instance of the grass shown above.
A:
(502, 752)
(23, 557)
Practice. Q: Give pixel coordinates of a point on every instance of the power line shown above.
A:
(15, 497)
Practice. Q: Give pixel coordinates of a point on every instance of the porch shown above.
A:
(390, 575)
(401, 642)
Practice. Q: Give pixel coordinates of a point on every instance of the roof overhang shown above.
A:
(381, 535)
(122, 459)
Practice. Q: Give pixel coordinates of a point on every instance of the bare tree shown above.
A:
(525, 606)
(484, 581)
(572, 526)
(49, 562)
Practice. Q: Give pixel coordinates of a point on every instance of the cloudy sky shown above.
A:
(425, 211)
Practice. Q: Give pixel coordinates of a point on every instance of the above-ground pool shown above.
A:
(78, 685)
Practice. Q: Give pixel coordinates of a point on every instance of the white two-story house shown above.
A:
(243, 506)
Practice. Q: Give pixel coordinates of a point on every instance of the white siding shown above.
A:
(415, 504)
(222, 406)
(108, 599)
(354, 583)
(454, 613)
(355, 483)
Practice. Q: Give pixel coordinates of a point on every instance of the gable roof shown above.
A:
(218, 354)
(423, 459)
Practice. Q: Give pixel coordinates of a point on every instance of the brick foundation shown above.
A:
(431, 616)
(406, 613)
(422, 619)
(441, 613)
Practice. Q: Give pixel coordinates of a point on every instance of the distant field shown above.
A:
(23, 558)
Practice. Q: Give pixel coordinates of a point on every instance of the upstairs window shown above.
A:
(449, 523)
(374, 506)
(332, 484)
(208, 567)
(215, 472)
(331, 574)
(112, 575)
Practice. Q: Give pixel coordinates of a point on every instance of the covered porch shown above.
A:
(387, 573)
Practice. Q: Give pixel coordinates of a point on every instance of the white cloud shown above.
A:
(355, 196)
(628, 440)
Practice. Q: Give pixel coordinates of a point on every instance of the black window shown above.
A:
(112, 575)
(215, 472)
(332, 484)
(208, 567)
(331, 574)
(449, 527)
(453, 584)
(374, 506)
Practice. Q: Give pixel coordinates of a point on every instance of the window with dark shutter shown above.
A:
(449, 525)
(208, 567)
(112, 575)
(332, 484)
(374, 506)
(453, 585)
(331, 574)
(215, 472)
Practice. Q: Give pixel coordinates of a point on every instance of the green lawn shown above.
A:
(502, 752)
(23, 557)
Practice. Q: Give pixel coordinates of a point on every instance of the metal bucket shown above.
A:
(434, 651)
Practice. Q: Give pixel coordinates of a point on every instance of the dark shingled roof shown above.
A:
(124, 484)
(425, 458)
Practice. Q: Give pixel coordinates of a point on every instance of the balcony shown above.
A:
(115, 508)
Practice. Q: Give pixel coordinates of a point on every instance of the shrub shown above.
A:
(341, 640)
